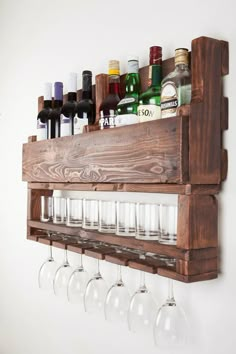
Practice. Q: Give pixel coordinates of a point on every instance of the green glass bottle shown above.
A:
(127, 108)
(149, 101)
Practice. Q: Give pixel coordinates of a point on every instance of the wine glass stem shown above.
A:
(119, 275)
(170, 290)
(50, 251)
(142, 279)
(65, 256)
(81, 260)
(98, 267)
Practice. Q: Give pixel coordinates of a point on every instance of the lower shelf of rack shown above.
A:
(190, 265)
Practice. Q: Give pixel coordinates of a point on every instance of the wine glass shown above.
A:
(77, 283)
(95, 293)
(117, 300)
(142, 309)
(171, 327)
(47, 270)
(62, 277)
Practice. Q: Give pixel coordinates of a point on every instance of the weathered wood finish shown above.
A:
(152, 152)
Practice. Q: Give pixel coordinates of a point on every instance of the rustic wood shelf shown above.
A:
(181, 155)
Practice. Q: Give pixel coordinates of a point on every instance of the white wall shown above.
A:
(42, 41)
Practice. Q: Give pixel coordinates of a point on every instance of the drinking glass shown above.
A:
(171, 328)
(117, 300)
(62, 277)
(74, 213)
(142, 309)
(125, 218)
(90, 214)
(59, 210)
(107, 216)
(46, 211)
(77, 284)
(168, 224)
(95, 293)
(147, 221)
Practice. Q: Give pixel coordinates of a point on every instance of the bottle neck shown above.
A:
(71, 96)
(47, 104)
(181, 66)
(156, 75)
(87, 87)
(114, 84)
(57, 103)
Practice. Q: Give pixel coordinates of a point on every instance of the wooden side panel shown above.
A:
(197, 266)
(197, 222)
(205, 121)
(151, 152)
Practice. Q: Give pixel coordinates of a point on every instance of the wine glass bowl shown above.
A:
(61, 278)
(77, 284)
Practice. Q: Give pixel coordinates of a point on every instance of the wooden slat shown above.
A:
(120, 258)
(197, 222)
(224, 113)
(167, 272)
(146, 152)
(196, 267)
(98, 253)
(148, 265)
(224, 57)
(204, 122)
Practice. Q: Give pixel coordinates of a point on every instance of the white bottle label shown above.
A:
(169, 100)
(79, 123)
(148, 112)
(126, 100)
(106, 122)
(41, 130)
(65, 125)
(126, 119)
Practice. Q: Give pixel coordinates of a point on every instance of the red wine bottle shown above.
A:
(69, 108)
(42, 119)
(54, 115)
(86, 107)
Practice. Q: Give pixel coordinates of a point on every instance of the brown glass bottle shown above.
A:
(108, 108)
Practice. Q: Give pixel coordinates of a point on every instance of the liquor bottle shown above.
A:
(54, 115)
(42, 119)
(86, 107)
(127, 108)
(176, 87)
(69, 108)
(149, 101)
(108, 108)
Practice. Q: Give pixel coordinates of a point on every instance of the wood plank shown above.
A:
(122, 258)
(169, 273)
(148, 264)
(148, 152)
(224, 58)
(197, 222)
(98, 253)
(205, 121)
(196, 266)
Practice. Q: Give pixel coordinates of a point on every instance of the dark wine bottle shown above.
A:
(69, 109)
(42, 119)
(54, 115)
(86, 107)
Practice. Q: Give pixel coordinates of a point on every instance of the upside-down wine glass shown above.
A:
(77, 283)
(171, 327)
(62, 277)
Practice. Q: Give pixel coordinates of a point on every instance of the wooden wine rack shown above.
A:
(182, 155)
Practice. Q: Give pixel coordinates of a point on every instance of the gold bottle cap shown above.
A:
(114, 67)
(181, 56)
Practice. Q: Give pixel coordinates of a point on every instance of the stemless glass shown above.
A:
(90, 214)
(62, 277)
(74, 213)
(47, 270)
(77, 284)
(107, 216)
(147, 221)
(171, 328)
(46, 211)
(142, 308)
(117, 300)
(168, 224)
(125, 218)
(59, 210)
(95, 293)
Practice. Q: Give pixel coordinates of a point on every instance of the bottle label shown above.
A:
(79, 123)
(148, 112)
(126, 101)
(169, 100)
(107, 122)
(41, 130)
(66, 125)
(126, 119)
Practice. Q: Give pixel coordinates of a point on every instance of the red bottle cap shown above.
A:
(155, 56)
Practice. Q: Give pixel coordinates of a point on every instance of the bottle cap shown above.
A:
(133, 58)
(181, 56)
(114, 67)
(133, 65)
(87, 72)
(155, 56)
(72, 82)
(47, 89)
(58, 91)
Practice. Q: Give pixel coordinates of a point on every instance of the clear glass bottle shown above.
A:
(149, 101)
(127, 108)
(85, 107)
(108, 108)
(176, 86)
